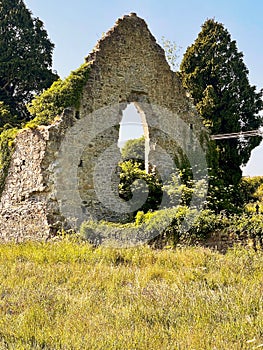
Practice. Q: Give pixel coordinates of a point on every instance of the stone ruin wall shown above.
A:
(28, 208)
(127, 65)
(23, 213)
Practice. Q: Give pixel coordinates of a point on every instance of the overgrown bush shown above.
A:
(247, 225)
(166, 225)
(44, 108)
(251, 190)
(131, 172)
(62, 94)
(146, 227)
(172, 226)
(181, 188)
(6, 118)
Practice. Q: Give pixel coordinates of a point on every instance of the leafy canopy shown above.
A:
(5, 116)
(134, 149)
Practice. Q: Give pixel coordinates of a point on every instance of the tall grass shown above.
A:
(68, 295)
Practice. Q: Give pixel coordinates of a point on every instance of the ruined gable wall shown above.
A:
(128, 62)
(126, 66)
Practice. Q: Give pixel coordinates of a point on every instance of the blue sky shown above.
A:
(75, 26)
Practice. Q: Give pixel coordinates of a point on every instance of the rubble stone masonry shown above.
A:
(126, 66)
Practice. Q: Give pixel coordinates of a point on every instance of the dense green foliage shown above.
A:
(133, 175)
(131, 172)
(252, 189)
(62, 94)
(6, 150)
(6, 117)
(178, 226)
(214, 73)
(134, 149)
(69, 295)
(45, 107)
(25, 58)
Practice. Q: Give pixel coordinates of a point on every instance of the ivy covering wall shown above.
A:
(44, 109)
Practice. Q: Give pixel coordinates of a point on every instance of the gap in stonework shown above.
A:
(133, 126)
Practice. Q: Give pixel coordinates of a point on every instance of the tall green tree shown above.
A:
(134, 149)
(25, 57)
(214, 73)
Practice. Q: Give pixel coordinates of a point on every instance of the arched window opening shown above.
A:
(134, 135)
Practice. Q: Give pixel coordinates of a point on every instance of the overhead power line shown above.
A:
(237, 135)
(233, 135)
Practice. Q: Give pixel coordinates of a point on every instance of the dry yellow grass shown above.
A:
(67, 295)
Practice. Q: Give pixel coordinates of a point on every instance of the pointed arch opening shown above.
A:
(134, 135)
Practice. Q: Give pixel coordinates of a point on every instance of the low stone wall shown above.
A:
(222, 241)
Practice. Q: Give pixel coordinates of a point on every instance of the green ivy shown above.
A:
(7, 138)
(44, 109)
(6, 118)
(62, 94)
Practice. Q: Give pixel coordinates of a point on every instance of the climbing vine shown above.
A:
(44, 109)
(6, 150)
(62, 94)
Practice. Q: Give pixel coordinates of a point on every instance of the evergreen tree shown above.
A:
(215, 75)
(5, 116)
(25, 57)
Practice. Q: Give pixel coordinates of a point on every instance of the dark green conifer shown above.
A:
(25, 57)
(214, 73)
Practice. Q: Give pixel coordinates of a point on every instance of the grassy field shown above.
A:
(67, 295)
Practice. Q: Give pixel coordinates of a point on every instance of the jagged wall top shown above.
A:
(128, 62)
(129, 22)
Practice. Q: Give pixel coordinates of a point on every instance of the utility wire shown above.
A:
(237, 135)
(233, 135)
